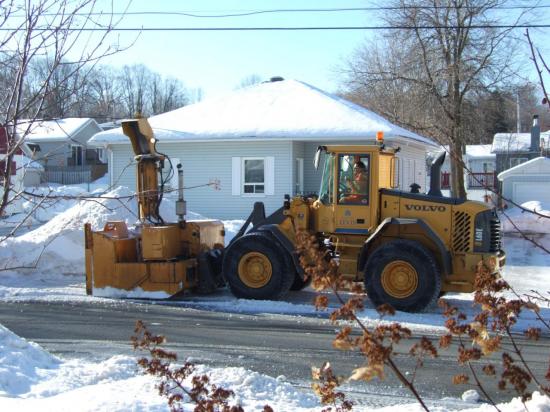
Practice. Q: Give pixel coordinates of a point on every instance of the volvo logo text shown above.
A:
(426, 208)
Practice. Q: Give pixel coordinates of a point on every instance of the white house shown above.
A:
(480, 164)
(258, 143)
(478, 158)
(61, 147)
(527, 181)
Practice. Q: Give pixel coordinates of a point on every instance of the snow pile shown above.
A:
(32, 379)
(20, 362)
(57, 247)
(517, 218)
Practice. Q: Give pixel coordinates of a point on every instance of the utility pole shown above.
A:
(518, 120)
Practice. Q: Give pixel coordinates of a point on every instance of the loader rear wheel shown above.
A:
(404, 274)
(256, 268)
(300, 283)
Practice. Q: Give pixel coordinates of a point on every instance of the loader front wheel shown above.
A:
(255, 268)
(404, 274)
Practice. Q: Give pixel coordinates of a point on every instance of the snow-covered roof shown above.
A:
(514, 142)
(287, 109)
(473, 151)
(538, 165)
(479, 151)
(52, 130)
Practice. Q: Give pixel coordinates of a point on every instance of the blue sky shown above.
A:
(217, 61)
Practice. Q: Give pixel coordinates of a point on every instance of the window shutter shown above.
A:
(235, 176)
(269, 175)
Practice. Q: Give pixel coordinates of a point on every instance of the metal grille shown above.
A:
(496, 235)
(461, 235)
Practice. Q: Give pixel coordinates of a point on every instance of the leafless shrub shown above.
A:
(375, 344)
(484, 335)
(206, 396)
(489, 332)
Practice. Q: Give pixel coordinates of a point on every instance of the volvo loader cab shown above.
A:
(408, 248)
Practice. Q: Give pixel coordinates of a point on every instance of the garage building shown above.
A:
(527, 181)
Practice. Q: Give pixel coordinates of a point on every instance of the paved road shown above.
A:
(274, 345)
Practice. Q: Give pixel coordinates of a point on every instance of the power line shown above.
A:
(274, 11)
(297, 28)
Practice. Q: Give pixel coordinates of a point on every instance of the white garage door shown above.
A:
(525, 192)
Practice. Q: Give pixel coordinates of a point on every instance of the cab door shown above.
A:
(353, 198)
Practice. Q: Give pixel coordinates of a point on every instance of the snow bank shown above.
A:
(526, 221)
(32, 379)
(20, 362)
(57, 247)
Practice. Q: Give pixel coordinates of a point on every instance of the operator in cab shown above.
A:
(358, 185)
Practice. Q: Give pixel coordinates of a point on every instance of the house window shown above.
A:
(101, 156)
(76, 155)
(253, 176)
(517, 161)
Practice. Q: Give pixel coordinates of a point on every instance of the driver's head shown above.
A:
(359, 167)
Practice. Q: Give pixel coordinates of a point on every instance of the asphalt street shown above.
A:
(270, 344)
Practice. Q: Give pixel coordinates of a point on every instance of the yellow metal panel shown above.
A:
(125, 250)
(160, 242)
(128, 276)
(436, 215)
(385, 171)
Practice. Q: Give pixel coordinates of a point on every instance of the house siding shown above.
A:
(52, 153)
(476, 165)
(503, 159)
(208, 162)
(312, 177)
(298, 152)
(412, 168)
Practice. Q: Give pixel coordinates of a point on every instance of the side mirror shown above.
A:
(317, 156)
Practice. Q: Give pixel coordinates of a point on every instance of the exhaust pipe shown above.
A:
(435, 176)
(181, 207)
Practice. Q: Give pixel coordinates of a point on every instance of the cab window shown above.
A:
(325, 192)
(353, 179)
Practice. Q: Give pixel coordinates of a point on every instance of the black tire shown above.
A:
(409, 260)
(300, 283)
(263, 248)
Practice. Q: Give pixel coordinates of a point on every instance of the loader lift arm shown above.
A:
(149, 162)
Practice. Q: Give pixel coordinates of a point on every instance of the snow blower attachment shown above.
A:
(156, 259)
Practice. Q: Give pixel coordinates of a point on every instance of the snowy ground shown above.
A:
(47, 264)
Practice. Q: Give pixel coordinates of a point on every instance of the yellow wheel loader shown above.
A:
(408, 248)
(166, 258)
